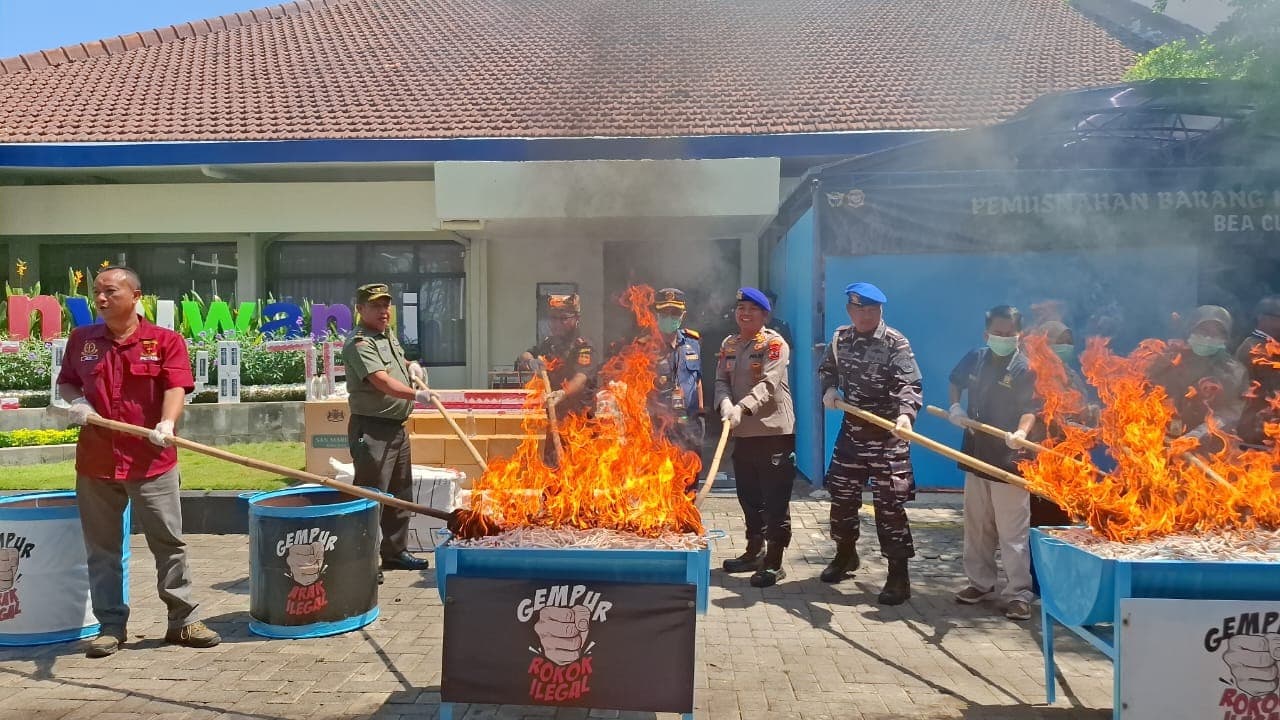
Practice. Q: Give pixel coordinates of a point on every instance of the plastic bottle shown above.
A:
(471, 423)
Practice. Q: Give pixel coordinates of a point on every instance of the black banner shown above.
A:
(569, 643)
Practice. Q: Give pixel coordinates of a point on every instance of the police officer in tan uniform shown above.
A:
(381, 395)
(755, 399)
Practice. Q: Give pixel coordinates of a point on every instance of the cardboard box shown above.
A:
(456, 452)
(325, 434)
(426, 450)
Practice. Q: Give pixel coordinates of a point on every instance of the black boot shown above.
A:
(898, 587)
(771, 570)
(845, 562)
(748, 561)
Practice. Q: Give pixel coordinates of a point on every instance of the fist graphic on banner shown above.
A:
(8, 568)
(1253, 663)
(563, 632)
(305, 562)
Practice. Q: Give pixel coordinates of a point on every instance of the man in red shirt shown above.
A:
(130, 370)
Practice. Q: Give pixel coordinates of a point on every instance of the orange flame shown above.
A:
(619, 471)
(1156, 488)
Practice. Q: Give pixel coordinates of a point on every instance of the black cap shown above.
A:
(670, 298)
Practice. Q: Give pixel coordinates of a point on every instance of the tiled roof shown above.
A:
(559, 68)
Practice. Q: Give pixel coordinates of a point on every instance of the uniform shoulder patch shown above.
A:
(584, 355)
(775, 350)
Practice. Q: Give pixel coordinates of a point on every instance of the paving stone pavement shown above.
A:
(802, 649)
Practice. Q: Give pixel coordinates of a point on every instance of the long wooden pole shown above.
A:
(553, 426)
(265, 466)
(972, 424)
(715, 464)
(915, 437)
(453, 424)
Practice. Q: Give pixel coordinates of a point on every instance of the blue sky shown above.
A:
(29, 25)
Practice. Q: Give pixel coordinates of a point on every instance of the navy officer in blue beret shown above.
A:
(873, 366)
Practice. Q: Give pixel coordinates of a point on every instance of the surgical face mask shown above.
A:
(1066, 352)
(1204, 346)
(668, 324)
(1001, 345)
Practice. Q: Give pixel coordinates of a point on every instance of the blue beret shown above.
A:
(755, 296)
(861, 293)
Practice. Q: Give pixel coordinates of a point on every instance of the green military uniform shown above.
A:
(376, 435)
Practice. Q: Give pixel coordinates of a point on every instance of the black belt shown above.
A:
(379, 420)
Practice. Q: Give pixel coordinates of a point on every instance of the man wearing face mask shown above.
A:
(872, 364)
(1001, 392)
(1200, 376)
(755, 399)
(567, 357)
(679, 383)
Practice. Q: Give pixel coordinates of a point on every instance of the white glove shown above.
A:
(956, 415)
(731, 413)
(417, 372)
(1015, 439)
(903, 425)
(78, 412)
(830, 397)
(554, 397)
(425, 397)
(162, 434)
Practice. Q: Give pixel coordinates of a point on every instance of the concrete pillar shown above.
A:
(477, 269)
(750, 253)
(250, 275)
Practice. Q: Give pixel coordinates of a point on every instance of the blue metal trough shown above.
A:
(1083, 592)
(690, 567)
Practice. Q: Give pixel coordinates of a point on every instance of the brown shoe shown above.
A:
(196, 635)
(107, 643)
(1018, 610)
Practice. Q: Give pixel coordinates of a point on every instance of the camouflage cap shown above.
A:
(371, 292)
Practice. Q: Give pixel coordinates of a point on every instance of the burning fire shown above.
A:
(1157, 488)
(618, 471)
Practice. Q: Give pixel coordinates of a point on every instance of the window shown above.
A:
(167, 270)
(427, 279)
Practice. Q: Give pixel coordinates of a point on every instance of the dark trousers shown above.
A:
(380, 452)
(765, 468)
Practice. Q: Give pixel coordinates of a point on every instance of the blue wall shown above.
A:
(938, 302)
(792, 268)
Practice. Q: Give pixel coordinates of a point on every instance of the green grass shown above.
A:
(199, 472)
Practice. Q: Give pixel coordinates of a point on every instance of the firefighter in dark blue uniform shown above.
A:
(679, 371)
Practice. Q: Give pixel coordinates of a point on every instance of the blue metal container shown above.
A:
(692, 567)
(1083, 592)
(313, 562)
(1080, 588)
(44, 575)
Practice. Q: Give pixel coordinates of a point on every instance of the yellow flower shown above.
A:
(79, 278)
(21, 267)
(105, 264)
